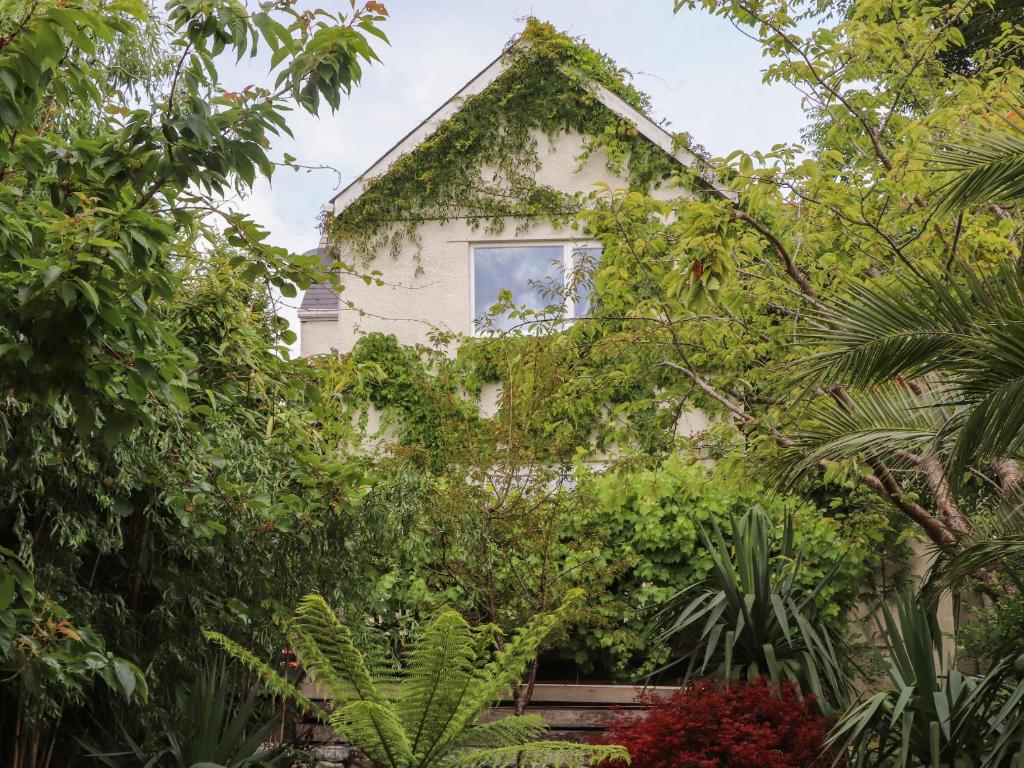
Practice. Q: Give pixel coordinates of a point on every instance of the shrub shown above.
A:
(650, 520)
(743, 725)
(422, 710)
(752, 617)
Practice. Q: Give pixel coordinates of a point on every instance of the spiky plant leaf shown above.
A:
(932, 714)
(749, 618)
(988, 167)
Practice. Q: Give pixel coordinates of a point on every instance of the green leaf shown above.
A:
(125, 677)
(7, 585)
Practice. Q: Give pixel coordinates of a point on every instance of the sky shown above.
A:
(703, 75)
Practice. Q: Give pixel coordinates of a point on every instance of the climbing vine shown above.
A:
(480, 164)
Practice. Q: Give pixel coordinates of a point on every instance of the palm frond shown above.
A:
(965, 330)
(989, 167)
(994, 545)
(877, 331)
(888, 420)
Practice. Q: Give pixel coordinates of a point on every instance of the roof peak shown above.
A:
(584, 67)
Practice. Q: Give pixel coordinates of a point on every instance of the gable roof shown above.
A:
(321, 301)
(646, 127)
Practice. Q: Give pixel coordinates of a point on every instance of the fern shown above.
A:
(376, 730)
(423, 713)
(328, 653)
(439, 674)
(275, 683)
(508, 730)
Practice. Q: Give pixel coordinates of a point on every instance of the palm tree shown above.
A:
(938, 364)
(936, 367)
(963, 332)
(989, 166)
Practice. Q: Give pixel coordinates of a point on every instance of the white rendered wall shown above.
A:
(410, 306)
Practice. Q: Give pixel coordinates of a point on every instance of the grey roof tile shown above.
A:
(319, 296)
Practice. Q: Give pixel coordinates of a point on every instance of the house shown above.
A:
(478, 198)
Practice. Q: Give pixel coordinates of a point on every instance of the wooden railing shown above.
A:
(573, 711)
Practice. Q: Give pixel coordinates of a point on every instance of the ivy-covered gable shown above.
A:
(480, 162)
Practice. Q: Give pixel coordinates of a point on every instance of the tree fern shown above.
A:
(275, 683)
(539, 754)
(440, 668)
(376, 729)
(329, 654)
(424, 712)
(507, 730)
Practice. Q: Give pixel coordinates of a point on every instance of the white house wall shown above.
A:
(410, 306)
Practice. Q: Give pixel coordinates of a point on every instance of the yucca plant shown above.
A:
(752, 618)
(933, 715)
(424, 711)
(214, 723)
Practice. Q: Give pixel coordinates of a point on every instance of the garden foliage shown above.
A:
(930, 713)
(750, 617)
(162, 464)
(751, 724)
(423, 710)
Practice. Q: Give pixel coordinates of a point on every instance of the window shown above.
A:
(537, 276)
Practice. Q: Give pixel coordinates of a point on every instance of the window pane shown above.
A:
(585, 260)
(527, 271)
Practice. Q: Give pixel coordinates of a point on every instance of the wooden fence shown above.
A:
(573, 711)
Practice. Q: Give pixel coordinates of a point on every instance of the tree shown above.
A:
(150, 426)
(709, 299)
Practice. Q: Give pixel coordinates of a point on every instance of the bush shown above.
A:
(744, 725)
(650, 521)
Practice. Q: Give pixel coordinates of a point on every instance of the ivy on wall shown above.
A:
(480, 164)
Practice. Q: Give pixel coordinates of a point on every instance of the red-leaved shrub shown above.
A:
(706, 725)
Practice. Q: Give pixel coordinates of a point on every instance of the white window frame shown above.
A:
(568, 247)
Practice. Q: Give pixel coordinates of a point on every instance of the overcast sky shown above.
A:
(703, 75)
